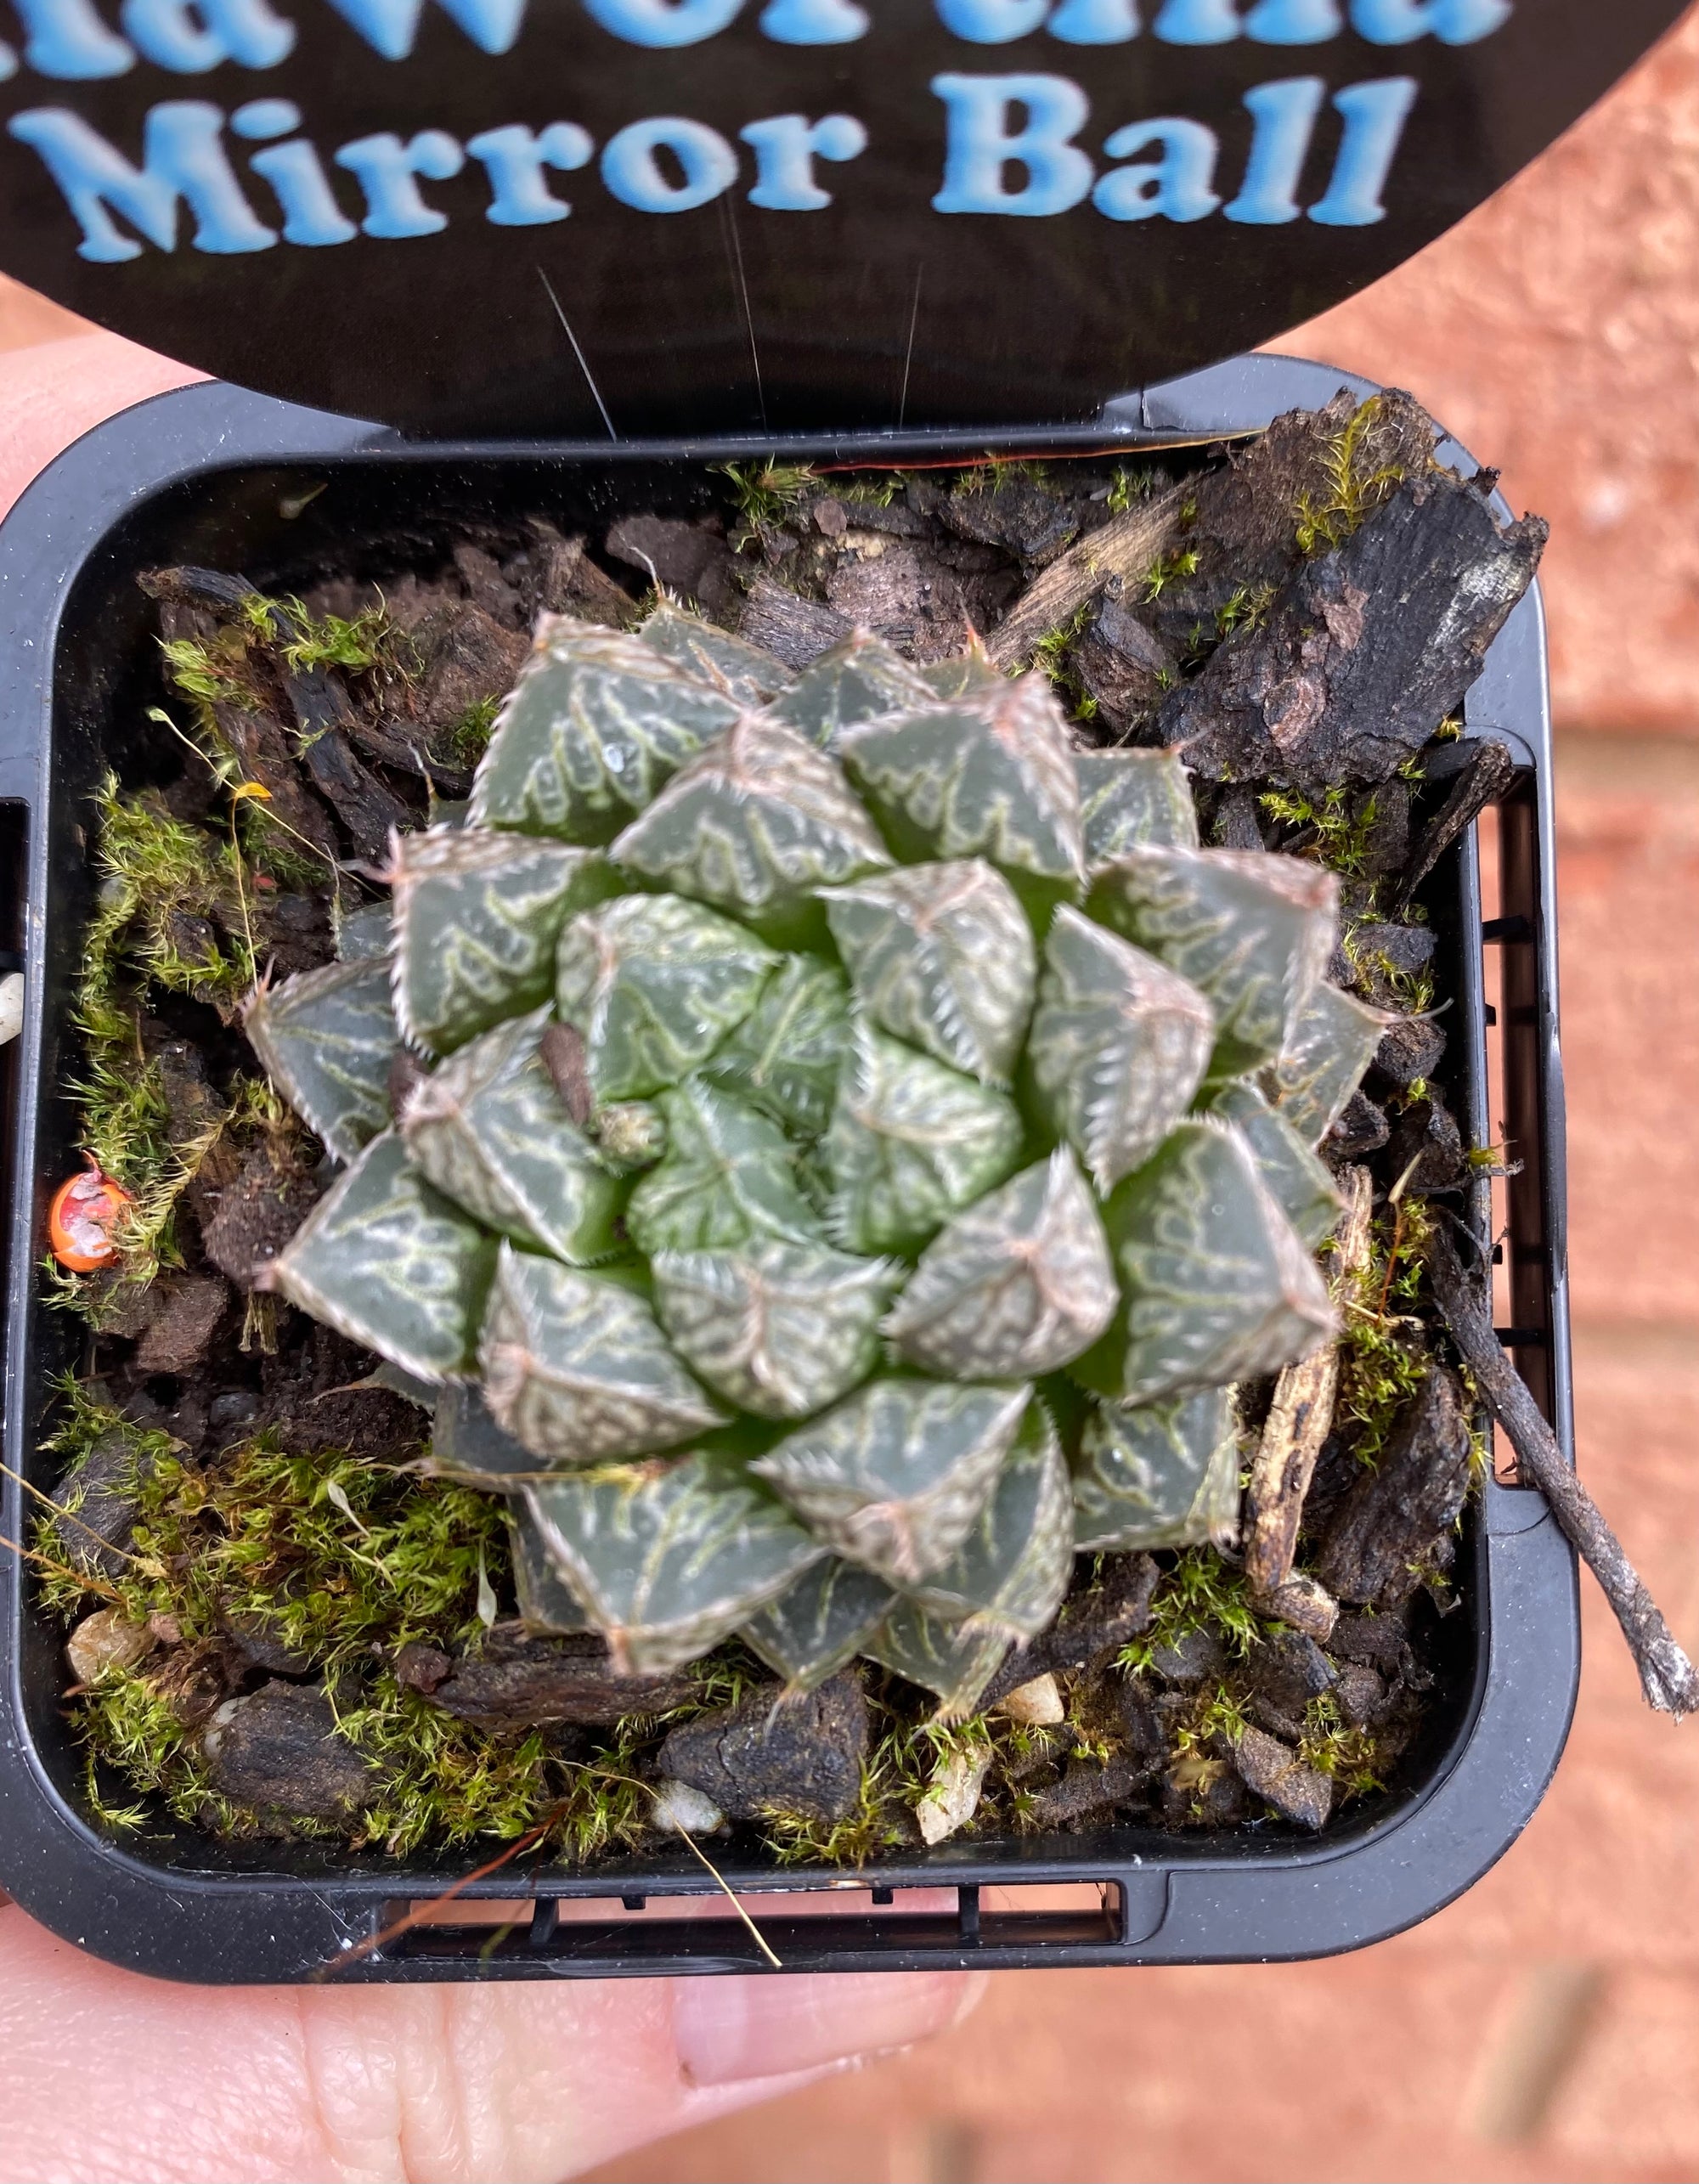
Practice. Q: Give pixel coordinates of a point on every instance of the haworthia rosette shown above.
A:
(489, 1130)
(1017, 1285)
(1133, 800)
(1328, 1048)
(989, 775)
(595, 725)
(785, 1056)
(1119, 1044)
(576, 1367)
(753, 825)
(1302, 1187)
(942, 956)
(819, 1624)
(728, 1175)
(477, 919)
(390, 1263)
(326, 1039)
(1217, 1286)
(653, 983)
(1252, 932)
(856, 680)
(911, 1142)
(955, 1660)
(894, 1477)
(778, 1328)
(713, 655)
(1010, 1572)
(669, 1558)
(1159, 1475)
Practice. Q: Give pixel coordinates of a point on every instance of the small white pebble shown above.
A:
(681, 1810)
(105, 1639)
(1039, 1702)
(953, 1797)
(11, 1006)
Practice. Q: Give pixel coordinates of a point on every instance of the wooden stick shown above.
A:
(1667, 1675)
(1124, 546)
(1299, 1420)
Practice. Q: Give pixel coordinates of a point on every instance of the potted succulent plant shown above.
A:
(810, 1142)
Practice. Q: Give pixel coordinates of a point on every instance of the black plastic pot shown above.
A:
(215, 476)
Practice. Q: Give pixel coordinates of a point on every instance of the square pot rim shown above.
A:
(1182, 1899)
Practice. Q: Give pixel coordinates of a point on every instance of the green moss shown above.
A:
(1384, 1357)
(1198, 1591)
(1169, 568)
(765, 494)
(1355, 484)
(1052, 657)
(469, 737)
(1339, 833)
(1132, 483)
(1332, 1746)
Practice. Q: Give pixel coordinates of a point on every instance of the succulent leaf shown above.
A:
(1252, 932)
(364, 933)
(991, 775)
(1119, 1045)
(787, 1055)
(1218, 1287)
(654, 984)
(669, 1558)
(728, 1176)
(754, 824)
(778, 1328)
(489, 1130)
(1015, 1286)
(389, 1262)
(1302, 1188)
(576, 1367)
(1161, 1475)
(1330, 1046)
(327, 1038)
(1133, 800)
(856, 680)
(955, 1659)
(1009, 1574)
(477, 919)
(548, 1606)
(895, 1476)
(942, 956)
(911, 1142)
(594, 725)
(468, 1445)
(820, 1623)
(961, 674)
(713, 655)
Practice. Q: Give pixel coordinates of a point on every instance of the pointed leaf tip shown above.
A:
(754, 824)
(653, 983)
(894, 1477)
(576, 1367)
(942, 954)
(1119, 1044)
(1018, 1285)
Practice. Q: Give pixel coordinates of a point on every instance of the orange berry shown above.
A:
(80, 1219)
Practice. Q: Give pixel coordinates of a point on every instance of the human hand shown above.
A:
(106, 2076)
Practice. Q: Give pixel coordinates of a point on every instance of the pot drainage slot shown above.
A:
(803, 1928)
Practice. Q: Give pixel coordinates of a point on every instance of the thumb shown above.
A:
(106, 2077)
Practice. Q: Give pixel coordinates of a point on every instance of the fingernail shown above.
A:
(727, 2030)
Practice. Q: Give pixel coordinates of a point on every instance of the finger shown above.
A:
(106, 2078)
(53, 393)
